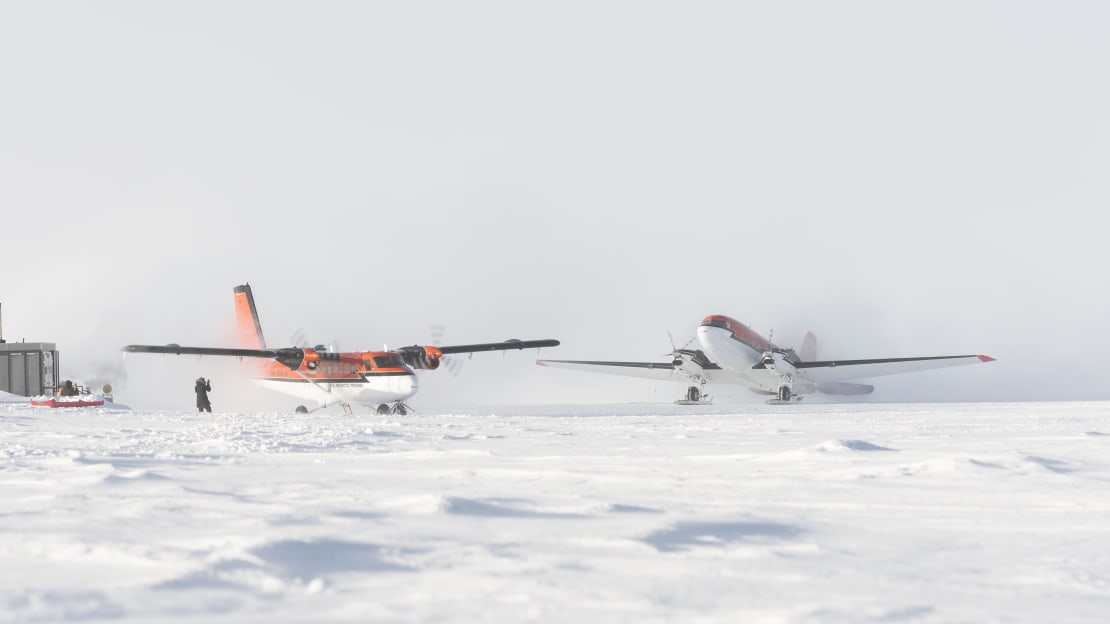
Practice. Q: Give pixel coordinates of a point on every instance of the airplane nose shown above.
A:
(407, 385)
(705, 338)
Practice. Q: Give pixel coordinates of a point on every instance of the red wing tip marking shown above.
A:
(540, 363)
(985, 358)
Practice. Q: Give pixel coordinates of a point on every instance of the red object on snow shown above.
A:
(60, 402)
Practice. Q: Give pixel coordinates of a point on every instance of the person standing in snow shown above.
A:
(202, 388)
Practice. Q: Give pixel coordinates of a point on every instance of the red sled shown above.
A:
(67, 402)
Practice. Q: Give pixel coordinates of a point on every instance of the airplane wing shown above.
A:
(648, 370)
(176, 349)
(417, 356)
(291, 357)
(507, 345)
(845, 370)
(687, 367)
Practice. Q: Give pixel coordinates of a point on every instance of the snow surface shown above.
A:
(615, 513)
(8, 397)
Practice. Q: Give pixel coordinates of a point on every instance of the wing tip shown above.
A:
(985, 358)
(541, 363)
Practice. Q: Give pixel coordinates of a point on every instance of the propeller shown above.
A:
(452, 364)
(674, 350)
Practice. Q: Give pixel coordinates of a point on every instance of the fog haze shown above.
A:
(901, 179)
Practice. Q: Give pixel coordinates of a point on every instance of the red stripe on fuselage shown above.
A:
(740, 332)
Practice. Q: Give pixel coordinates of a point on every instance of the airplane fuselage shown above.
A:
(371, 378)
(738, 349)
(366, 390)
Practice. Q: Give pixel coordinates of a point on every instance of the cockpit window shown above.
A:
(716, 323)
(388, 361)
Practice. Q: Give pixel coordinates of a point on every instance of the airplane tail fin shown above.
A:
(808, 352)
(248, 329)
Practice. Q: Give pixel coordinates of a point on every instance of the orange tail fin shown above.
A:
(249, 330)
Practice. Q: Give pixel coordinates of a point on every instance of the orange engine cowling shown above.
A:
(425, 358)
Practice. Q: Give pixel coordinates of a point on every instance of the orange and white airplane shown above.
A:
(731, 353)
(381, 378)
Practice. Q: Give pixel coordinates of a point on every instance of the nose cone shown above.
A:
(705, 338)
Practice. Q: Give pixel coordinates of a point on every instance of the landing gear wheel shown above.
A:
(383, 409)
(693, 394)
(784, 393)
(301, 409)
(400, 410)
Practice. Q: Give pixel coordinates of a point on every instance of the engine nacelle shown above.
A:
(776, 361)
(431, 358)
(421, 358)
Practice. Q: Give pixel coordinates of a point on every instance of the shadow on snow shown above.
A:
(685, 535)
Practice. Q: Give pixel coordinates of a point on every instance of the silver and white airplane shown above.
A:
(731, 353)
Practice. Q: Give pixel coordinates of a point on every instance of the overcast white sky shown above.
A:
(902, 178)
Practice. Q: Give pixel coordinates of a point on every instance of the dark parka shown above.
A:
(203, 387)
